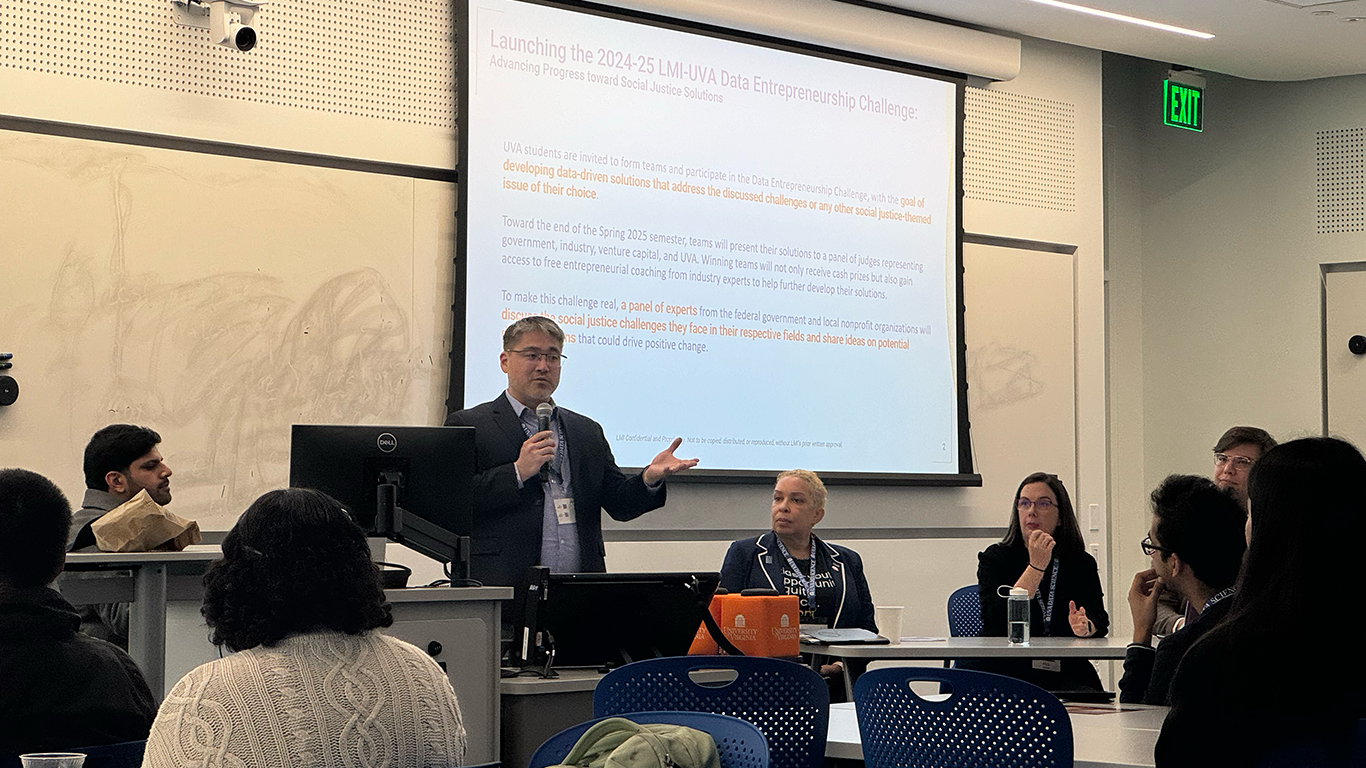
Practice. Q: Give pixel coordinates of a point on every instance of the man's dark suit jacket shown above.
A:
(507, 519)
(1148, 672)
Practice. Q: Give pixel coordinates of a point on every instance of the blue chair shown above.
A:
(984, 720)
(965, 612)
(789, 702)
(739, 744)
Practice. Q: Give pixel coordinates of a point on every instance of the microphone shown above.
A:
(543, 413)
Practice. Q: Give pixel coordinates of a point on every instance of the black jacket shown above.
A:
(1148, 672)
(1078, 580)
(748, 565)
(507, 519)
(61, 689)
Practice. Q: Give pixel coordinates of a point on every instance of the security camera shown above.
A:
(230, 23)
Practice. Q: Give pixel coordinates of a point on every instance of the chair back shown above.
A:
(985, 720)
(739, 744)
(965, 612)
(789, 702)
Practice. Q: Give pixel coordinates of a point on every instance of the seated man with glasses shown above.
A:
(538, 494)
(1196, 545)
(1235, 453)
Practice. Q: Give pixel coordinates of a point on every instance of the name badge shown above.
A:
(1047, 665)
(564, 511)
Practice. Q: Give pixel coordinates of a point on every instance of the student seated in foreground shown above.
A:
(1284, 669)
(313, 681)
(59, 689)
(1043, 553)
(1196, 545)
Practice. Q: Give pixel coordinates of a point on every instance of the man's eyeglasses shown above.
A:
(1149, 547)
(533, 355)
(1043, 505)
(1240, 463)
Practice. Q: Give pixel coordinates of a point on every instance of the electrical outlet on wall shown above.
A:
(1093, 517)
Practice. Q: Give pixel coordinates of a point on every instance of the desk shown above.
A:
(147, 592)
(460, 628)
(1102, 648)
(1115, 739)
(533, 710)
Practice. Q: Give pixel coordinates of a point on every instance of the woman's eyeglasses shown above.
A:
(1043, 505)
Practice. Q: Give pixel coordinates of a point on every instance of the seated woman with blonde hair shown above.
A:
(313, 681)
(792, 559)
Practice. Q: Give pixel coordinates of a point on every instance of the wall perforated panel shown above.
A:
(1341, 189)
(377, 59)
(1020, 150)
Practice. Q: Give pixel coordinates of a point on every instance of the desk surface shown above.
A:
(193, 553)
(980, 648)
(1102, 737)
(568, 681)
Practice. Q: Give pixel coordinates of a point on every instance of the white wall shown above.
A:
(1214, 262)
(72, 199)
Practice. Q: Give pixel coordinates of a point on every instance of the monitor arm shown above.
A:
(419, 535)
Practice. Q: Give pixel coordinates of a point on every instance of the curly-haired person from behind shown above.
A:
(59, 689)
(313, 681)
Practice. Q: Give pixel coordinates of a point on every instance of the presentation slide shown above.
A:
(749, 248)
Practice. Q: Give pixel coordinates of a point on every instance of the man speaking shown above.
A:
(544, 472)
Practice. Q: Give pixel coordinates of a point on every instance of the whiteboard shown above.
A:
(217, 300)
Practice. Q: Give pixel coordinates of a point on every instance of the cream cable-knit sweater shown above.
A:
(319, 699)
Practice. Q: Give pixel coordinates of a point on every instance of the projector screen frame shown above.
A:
(456, 396)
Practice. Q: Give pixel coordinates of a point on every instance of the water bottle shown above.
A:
(1017, 614)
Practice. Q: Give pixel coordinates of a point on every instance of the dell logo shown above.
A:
(386, 442)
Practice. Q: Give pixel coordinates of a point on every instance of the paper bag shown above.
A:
(142, 525)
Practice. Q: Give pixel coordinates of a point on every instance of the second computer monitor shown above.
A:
(432, 467)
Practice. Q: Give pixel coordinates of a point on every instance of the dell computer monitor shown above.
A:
(431, 468)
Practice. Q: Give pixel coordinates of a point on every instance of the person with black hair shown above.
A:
(1196, 545)
(59, 689)
(313, 681)
(120, 460)
(1043, 552)
(1263, 687)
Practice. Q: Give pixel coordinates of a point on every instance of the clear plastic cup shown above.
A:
(52, 760)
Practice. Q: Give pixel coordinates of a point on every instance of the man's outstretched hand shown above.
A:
(666, 464)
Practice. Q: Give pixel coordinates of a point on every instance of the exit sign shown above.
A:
(1183, 106)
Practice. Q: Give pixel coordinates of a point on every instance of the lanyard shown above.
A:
(808, 581)
(1217, 597)
(1048, 606)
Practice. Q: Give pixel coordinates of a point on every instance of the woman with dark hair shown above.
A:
(1043, 553)
(312, 682)
(1267, 686)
